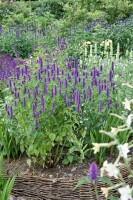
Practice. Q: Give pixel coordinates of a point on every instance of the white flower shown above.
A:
(127, 104)
(96, 147)
(102, 44)
(129, 120)
(123, 150)
(105, 192)
(110, 168)
(109, 41)
(126, 193)
(87, 43)
(114, 130)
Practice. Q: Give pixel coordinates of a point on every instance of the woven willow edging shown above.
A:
(38, 188)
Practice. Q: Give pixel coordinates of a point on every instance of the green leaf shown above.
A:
(84, 180)
(28, 162)
(65, 161)
(105, 180)
(31, 149)
(92, 137)
(113, 198)
(52, 136)
(22, 147)
(70, 158)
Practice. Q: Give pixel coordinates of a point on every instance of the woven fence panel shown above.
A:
(38, 188)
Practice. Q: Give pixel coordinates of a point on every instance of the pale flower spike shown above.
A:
(105, 192)
(127, 104)
(96, 147)
(129, 120)
(110, 168)
(123, 150)
(126, 193)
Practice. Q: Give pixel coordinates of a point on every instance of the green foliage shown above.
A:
(101, 9)
(21, 12)
(18, 42)
(55, 7)
(55, 131)
(117, 9)
(96, 33)
(6, 185)
(86, 180)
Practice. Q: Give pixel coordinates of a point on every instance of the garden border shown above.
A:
(39, 188)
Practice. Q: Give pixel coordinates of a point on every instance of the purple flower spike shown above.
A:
(60, 83)
(18, 95)
(68, 76)
(69, 65)
(65, 98)
(24, 101)
(100, 108)
(99, 89)
(107, 92)
(33, 107)
(85, 96)
(39, 75)
(42, 102)
(17, 75)
(68, 103)
(93, 172)
(110, 75)
(109, 103)
(55, 89)
(62, 72)
(26, 69)
(58, 71)
(83, 82)
(104, 86)
(10, 83)
(78, 108)
(41, 62)
(58, 40)
(89, 91)
(65, 83)
(36, 124)
(75, 80)
(25, 90)
(101, 68)
(113, 66)
(11, 112)
(28, 94)
(45, 88)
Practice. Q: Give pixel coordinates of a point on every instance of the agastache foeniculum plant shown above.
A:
(77, 85)
(69, 84)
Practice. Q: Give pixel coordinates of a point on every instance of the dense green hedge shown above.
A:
(19, 12)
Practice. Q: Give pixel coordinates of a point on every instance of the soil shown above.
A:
(74, 170)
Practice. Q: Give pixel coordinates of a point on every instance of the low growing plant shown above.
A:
(6, 184)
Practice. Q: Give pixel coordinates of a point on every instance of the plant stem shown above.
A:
(96, 193)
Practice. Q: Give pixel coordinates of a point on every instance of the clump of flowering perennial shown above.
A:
(112, 169)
